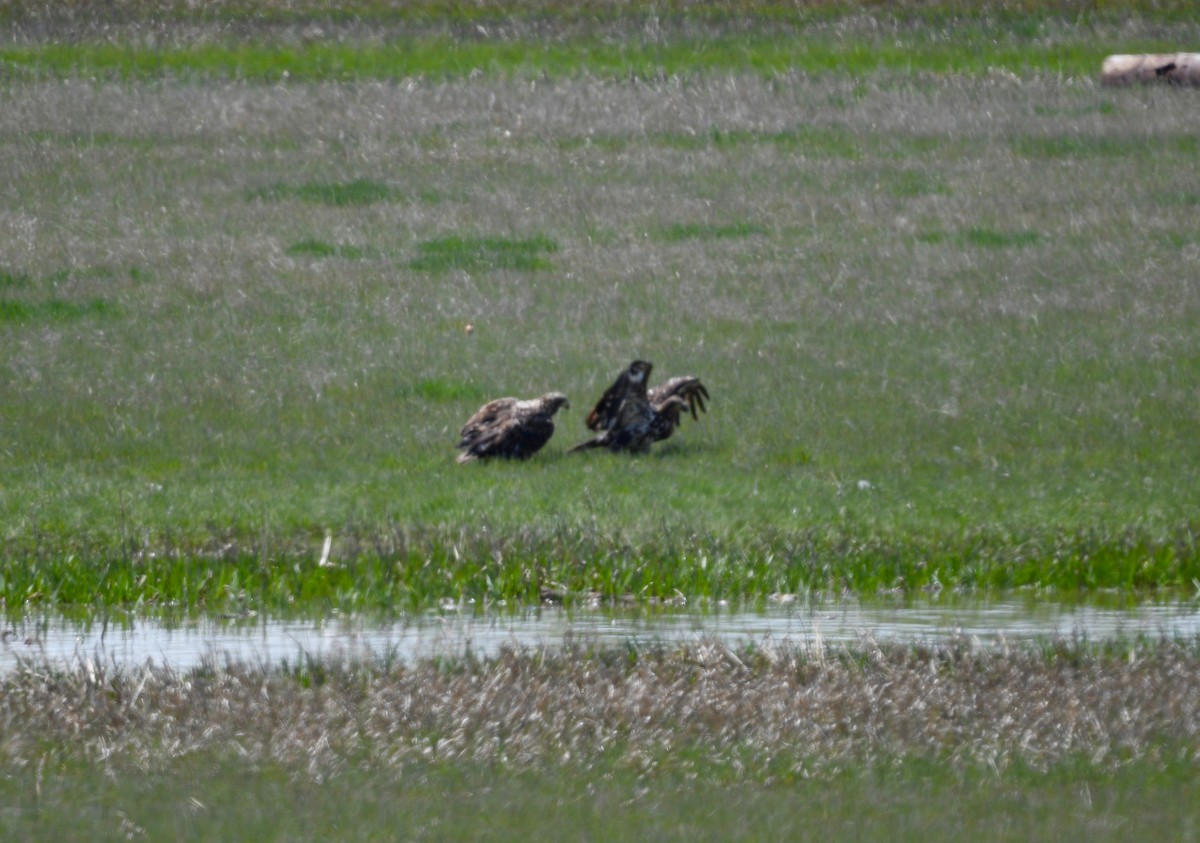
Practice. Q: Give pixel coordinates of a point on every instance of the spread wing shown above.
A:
(689, 388)
(604, 414)
(671, 400)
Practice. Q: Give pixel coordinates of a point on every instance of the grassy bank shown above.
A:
(352, 41)
(446, 57)
(698, 742)
(205, 798)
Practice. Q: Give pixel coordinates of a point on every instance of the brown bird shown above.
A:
(629, 417)
(510, 427)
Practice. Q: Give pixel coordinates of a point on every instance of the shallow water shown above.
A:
(185, 643)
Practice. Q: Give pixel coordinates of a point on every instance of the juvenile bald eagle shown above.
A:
(623, 416)
(510, 427)
(629, 417)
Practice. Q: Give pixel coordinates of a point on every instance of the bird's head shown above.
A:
(639, 370)
(554, 401)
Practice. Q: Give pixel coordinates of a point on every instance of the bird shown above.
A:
(510, 427)
(622, 418)
(631, 417)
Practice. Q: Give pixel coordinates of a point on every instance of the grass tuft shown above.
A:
(985, 238)
(320, 249)
(706, 231)
(815, 141)
(13, 281)
(54, 310)
(482, 253)
(1104, 146)
(1183, 198)
(443, 391)
(337, 194)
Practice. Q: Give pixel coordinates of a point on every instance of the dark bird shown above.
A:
(510, 427)
(631, 381)
(630, 417)
(622, 418)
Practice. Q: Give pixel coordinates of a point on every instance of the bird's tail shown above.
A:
(594, 442)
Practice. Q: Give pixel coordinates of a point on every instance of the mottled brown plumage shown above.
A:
(510, 427)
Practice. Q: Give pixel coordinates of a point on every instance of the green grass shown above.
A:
(448, 58)
(985, 238)
(23, 298)
(355, 192)
(443, 254)
(707, 231)
(532, 40)
(937, 282)
(206, 799)
(52, 310)
(1102, 147)
(939, 351)
(1022, 17)
(321, 249)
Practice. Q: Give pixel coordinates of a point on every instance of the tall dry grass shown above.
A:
(699, 709)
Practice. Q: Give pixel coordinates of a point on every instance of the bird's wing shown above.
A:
(686, 387)
(604, 414)
(486, 418)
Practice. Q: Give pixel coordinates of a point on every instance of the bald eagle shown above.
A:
(510, 427)
(623, 415)
(628, 417)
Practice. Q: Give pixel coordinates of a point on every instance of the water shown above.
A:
(182, 644)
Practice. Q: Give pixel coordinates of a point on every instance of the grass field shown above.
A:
(947, 323)
(939, 282)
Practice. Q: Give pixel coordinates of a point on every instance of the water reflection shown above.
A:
(183, 643)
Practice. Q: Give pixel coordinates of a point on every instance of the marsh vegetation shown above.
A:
(695, 741)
